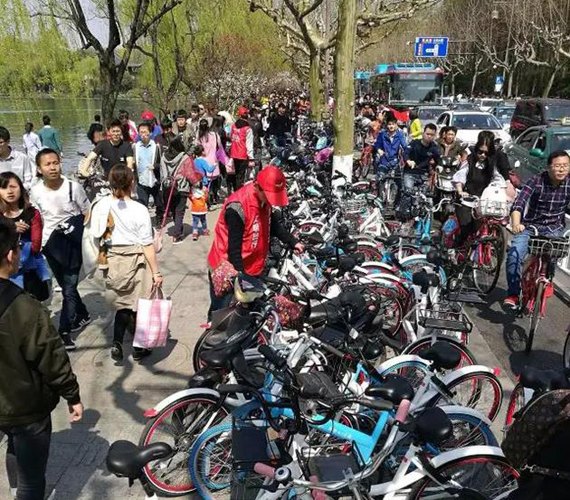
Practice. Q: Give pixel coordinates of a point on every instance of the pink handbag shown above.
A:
(153, 316)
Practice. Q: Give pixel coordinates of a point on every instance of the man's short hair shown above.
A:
(97, 118)
(8, 239)
(181, 113)
(391, 118)
(145, 125)
(4, 134)
(166, 123)
(46, 119)
(114, 123)
(45, 152)
(557, 154)
(195, 108)
(430, 126)
(452, 128)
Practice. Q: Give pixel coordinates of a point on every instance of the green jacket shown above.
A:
(50, 138)
(35, 368)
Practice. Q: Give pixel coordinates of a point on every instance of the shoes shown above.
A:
(82, 323)
(176, 240)
(206, 326)
(194, 236)
(68, 342)
(206, 232)
(117, 352)
(511, 302)
(139, 353)
(57, 289)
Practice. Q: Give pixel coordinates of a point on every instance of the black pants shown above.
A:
(125, 321)
(178, 209)
(144, 193)
(241, 169)
(231, 183)
(214, 188)
(30, 446)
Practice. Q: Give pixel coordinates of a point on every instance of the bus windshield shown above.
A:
(415, 87)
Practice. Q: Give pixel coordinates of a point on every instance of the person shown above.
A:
(31, 142)
(471, 180)
(390, 145)
(132, 264)
(210, 142)
(181, 128)
(147, 160)
(415, 126)
(50, 136)
(422, 154)
(499, 157)
(36, 374)
(112, 150)
(163, 140)
(193, 120)
(148, 117)
(241, 235)
(241, 148)
(218, 128)
(448, 144)
(16, 209)
(541, 204)
(128, 126)
(96, 126)
(198, 204)
(202, 165)
(14, 161)
(280, 125)
(63, 205)
(257, 129)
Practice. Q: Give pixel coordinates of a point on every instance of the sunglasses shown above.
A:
(481, 152)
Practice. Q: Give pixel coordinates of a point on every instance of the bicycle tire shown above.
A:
(420, 345)
(494, 272)
(516, 403)
(413, 371)
(500, 477)
(418, 262)
(474, 393)
(500, 233)
(535, 317)
(566, 352)
(160, 480)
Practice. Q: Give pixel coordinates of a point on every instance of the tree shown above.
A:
(141, 16)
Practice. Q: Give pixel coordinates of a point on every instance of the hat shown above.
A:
(272, 181)
(242, 111)
(147, 115)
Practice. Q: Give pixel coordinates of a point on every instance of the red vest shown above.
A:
(238, 148)
(255, 245)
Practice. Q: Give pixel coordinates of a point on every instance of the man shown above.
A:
(241, 148)
(148, 117)
(147, 160)
(448, 145)
(422, 155)
(112, 150)
(245, 225)
(31, 142)
(63, 205)
(193, 122)
(36, 373)
(129, 127)
(14, 161)
(254, 121)
(95, 126)
(181, 128)
(280, 125)
(389, 146)
(541, 204)
(50, 136)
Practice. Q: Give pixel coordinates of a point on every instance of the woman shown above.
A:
(132, 264)
(210, 141)
(415, 126)
(472, 179)
(33, 274)
(32, 143)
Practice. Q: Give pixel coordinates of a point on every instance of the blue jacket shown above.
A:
(391, 146)
(204, 168)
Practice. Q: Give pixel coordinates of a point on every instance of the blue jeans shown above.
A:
(199, 223)
(410, 182)
(516, 254)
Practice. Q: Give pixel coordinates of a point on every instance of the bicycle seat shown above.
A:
(317, 385)
(425, 280)
(543, 380)
(442, 355)
(206, 377)
(393, 389)
(432, 426)
(313, 238)
(322, 313)
(220, 357)
(392, 240)
(126, 459)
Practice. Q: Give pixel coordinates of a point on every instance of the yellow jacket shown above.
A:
(416, 129)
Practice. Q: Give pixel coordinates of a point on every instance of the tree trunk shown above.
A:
(109, 89)
(316, 87)
(510, 84)
(452, 83)
(343, 121)
(550, 83)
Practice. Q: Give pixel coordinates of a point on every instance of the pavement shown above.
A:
(116, 396)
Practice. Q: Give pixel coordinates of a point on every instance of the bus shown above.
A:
(406, 85)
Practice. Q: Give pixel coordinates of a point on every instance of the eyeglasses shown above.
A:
(561, 166)
(482, 152)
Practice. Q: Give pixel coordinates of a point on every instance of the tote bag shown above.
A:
(153, 316)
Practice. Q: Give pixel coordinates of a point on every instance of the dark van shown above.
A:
(535, 112)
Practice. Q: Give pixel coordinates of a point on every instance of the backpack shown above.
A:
(188, 170)
(538, 423)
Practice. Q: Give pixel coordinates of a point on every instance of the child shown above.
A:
(198, 204)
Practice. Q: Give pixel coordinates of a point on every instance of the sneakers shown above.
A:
(139, 353)
(117, 352)
(206, 232)
(82, 323)
(194, 236)
(68, 342)
(176, 240)
(511, 302)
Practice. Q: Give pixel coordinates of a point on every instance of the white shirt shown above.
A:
(132, 223)
(18, 163)
(55, 204)
(32, 144)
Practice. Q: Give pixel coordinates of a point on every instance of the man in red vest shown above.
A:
(241, 149)
(245, 225)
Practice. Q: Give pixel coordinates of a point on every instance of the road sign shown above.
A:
(362, 75)
(434, 46)
(499, 82)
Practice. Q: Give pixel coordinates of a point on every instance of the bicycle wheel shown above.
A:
(423, 344)
(481, 391)
(477, 477)
(566, 352)
(499, 232)
(486, 266)
(416, 263)
(535, 316)
(516, 403)
(179, 424)
(413, 371)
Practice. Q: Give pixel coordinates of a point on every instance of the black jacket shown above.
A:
(36, 370)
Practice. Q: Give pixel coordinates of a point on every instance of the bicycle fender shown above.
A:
(468, 451)
(181, 395)
(390, 363)
(450, 409)
(465, 370)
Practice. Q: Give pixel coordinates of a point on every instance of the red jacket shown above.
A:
(255, 245)
(238, 148)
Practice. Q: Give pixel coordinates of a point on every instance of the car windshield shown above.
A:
(488, 103)
(504, 115)
(476, 122)
(557, 111)
(561, 141)
(430, 113)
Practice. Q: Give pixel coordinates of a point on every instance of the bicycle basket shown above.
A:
(555, 248)
(354, 205)
(493, 208)
(444, 320)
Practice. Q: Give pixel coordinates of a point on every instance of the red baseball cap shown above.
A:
(242, 111)
(147, 115)
(272, 181)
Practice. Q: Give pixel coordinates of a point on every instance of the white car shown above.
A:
(470, 123)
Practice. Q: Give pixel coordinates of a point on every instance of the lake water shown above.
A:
(71, 116)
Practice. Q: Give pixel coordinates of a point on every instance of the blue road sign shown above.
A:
(433, 46)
